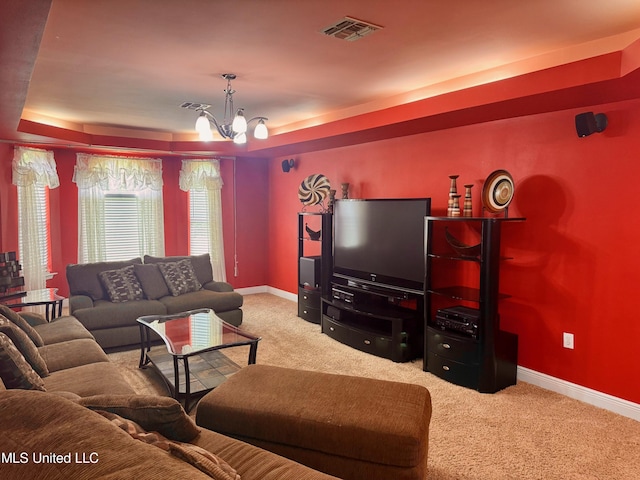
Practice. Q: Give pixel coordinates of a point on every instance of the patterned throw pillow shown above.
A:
(24, 344)
(14, 369)
(180, 277)
(121, 285)
(23, 324)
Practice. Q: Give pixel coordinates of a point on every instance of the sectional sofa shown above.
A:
(67, 412)
(108, 297)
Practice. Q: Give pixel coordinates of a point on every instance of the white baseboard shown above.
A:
(584, 394)
(542, 380)
(266, 289)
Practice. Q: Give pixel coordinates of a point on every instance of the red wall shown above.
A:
(575, 268)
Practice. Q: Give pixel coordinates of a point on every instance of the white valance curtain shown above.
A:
(204, 175)
(33, 169)
(99, 175)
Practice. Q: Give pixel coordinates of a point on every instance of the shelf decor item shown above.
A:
(313, 235)
(462, 248)
(467, 210)
(453, 190)
(497, 192)
(345, 190)
(313, 190)
(455, 207)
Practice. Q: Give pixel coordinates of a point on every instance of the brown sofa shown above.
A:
(113, 323)
(77, 417)
(51, 437)
(61, 356)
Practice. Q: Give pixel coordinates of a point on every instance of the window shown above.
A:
(122, 237)
(42, 222)
(198, 223)
(120, 208)
(201, 178)
(34, 173)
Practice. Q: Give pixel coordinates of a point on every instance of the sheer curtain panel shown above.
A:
(202, 178)
(34, 171)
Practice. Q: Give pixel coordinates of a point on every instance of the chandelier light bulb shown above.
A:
(202, 124)
(239, 122)
(240, 138)
(261, 132)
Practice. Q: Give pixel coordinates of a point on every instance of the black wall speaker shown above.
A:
(287, 165)
(588, 123)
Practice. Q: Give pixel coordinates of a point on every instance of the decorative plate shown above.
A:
(498, 191)
(314, 189)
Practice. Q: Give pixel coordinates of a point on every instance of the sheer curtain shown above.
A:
(99, 175)
(33, 170)
(204, 175)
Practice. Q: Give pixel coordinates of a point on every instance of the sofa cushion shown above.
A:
(107, 314)
(72, 353)
(216, 301)
(122, 284)
(15, 371)
(152, 281)
(180, 277)
(159, 414)
(23, 324)
(62, 329)
(201, 264)
(88, 380)
(24, 344)
(83, 278)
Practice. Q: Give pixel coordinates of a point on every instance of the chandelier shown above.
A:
(233, 128)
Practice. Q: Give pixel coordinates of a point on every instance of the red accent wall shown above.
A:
(575, 268)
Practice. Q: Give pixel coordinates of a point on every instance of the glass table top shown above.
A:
(34, 297)
(195, 331)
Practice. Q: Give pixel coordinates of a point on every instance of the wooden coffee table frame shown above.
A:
(146, 358)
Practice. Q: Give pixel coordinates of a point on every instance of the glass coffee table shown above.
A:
(47, 296)
(193, 339)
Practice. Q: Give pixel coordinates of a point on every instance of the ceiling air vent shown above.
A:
(350, 29)
(195, 106)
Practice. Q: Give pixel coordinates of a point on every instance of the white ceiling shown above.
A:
(129, 64)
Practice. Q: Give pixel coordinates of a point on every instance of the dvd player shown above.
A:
(459, 318)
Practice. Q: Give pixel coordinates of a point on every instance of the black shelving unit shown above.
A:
(316, 254)
(467, 349)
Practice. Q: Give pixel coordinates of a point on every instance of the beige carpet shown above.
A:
(522, 432)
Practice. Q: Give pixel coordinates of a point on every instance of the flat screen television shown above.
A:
(380, 242)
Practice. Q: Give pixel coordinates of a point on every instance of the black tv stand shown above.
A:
(388, 326)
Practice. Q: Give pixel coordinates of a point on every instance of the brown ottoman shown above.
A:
(349, 427)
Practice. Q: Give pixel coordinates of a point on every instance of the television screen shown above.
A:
(381, 241)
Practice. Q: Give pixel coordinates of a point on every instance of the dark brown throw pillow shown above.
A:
(24, 344)
(152, 281)
(164, 415)
(121, 285)
(23, 324)
(180, 277)
(15, 371)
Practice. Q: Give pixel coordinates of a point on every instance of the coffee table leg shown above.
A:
(187, 386)
(253, 351)
(144, 345)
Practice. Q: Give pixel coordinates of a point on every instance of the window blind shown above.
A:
(198, 222)
(122, 235)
